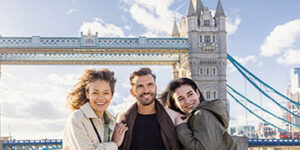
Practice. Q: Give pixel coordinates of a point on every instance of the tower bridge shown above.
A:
(197, 50)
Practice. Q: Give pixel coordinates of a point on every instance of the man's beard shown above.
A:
(147, 101)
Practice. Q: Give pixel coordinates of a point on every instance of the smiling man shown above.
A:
(150, 126)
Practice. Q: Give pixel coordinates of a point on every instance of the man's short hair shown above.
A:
(141, 72)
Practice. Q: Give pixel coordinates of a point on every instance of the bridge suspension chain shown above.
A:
(245, 98)
(239, 66)
(233, 61)
(255, 113)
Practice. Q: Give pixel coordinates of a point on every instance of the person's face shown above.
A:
(186, 99)
(144, 89)
(99, 95)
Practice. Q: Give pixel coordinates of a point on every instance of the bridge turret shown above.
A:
(207, 55)
(192, 18)
(221, 39)
(199, 7)
(175, 32)
(220, 18)
(192, 26)
(199, 10)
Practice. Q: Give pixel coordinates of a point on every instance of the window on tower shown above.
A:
(208, 95)
(200, 39)
(214, 95)
(207, 71)
(206, 23)
(201, 71)
(214, 71)
(207, 39)
(214, 39)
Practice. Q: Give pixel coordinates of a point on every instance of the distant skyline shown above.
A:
(262, 35)
(295, 79)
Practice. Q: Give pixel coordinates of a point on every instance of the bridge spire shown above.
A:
(89, 32)
(219, 10)
(199, 7)
(175, 32)
(191, 10)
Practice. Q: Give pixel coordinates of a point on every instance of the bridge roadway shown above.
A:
(106, 51)
(274, 144)
(45, 144)
(253, 144)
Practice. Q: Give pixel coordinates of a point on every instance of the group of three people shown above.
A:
(179, 119)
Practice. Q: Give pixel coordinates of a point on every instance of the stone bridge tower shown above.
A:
(208, 53)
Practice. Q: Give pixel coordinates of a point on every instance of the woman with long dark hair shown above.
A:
(200, 124)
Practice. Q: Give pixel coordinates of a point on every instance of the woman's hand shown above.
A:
(181, 119)
(119, 133)
(172, 114)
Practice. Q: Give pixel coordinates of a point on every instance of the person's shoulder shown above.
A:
(74, 119)
(202, 114)
(76, 115)
(121, 116)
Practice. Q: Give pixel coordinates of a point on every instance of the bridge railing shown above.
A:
(273, 142)
(109, 43)
(33, 142)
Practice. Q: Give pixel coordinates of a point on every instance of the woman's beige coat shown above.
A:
(79, 133)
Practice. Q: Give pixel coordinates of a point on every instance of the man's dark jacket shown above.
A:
(167, 128)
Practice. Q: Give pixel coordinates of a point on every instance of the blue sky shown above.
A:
(262, 35)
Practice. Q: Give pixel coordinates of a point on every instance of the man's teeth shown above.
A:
(148, 95)
(100, 103)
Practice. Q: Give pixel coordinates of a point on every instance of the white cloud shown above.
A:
(232, 21)
(260, 63)
(290, 57)
(127, 27)
(39, 129)
(33, 109)
(122, 106)
(243, 61)
(8, 75)
(68, 79)
(157, 69)
(158, 19)
(70, 11)
(103, 29)
(154, 15)
(281, 38)
(232, 25)
(124, 18)
(126, 85)
(152, 34)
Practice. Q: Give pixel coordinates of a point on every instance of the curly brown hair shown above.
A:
(77, 97)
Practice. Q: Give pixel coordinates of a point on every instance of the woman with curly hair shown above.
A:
(200, 124)
(90, 126)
